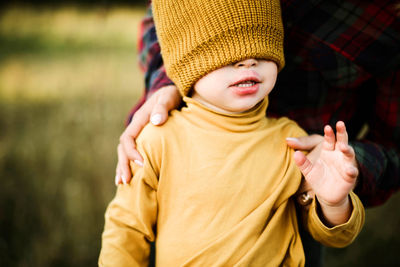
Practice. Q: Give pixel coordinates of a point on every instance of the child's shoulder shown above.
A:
(287, 127)
(155, 134)
(153, 140)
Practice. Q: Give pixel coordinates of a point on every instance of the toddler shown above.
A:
(218, 180)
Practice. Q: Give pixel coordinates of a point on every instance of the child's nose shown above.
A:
(247, 63)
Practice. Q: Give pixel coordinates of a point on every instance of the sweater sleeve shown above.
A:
(130, 220)
(340, 235)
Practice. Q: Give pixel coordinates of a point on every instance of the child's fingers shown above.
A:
(329, 138)
(341, 133)
(302, 162)
(352, 172)
(348, 151)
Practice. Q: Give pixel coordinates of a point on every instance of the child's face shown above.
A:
(238, 87)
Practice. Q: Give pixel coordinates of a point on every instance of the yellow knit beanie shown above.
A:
(199, 36)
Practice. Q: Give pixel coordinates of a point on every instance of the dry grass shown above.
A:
(68, 52)
(68, 78)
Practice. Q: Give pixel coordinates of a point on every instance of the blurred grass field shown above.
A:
(68, 77)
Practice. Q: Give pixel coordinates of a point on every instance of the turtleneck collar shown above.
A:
(209, 119)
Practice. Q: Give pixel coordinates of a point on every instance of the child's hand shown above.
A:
(333, 175)
(313, 145)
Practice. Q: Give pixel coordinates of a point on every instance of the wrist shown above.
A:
(334, 214)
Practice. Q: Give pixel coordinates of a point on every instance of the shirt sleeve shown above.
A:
(130, 220)
(340, 235)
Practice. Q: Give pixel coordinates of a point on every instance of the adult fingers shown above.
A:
(171, 97)
(158, 106)
(123, 173)
(305, 143)
(118, 175)
(315, 153)
(127, 147)
(166, 99)
(159, 114)
(127, 142)
(139, 120)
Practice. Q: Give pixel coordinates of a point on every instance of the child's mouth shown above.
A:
(246, 84)
(245, 87)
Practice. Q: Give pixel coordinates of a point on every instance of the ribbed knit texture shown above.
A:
(199, 36)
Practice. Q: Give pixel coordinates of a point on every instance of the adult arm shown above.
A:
(362, 57)
(378, 154)
(150, 60)
(159, 97)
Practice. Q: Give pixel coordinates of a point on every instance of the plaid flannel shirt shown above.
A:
(342, 63)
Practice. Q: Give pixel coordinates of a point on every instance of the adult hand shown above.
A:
(154, 110)
(313, 145)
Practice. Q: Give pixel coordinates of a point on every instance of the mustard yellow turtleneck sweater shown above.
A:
(215, 190)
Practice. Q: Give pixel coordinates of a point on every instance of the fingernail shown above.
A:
(138, 162)
(155, 119)
(116, 179)
(124, 179)
(292, 139)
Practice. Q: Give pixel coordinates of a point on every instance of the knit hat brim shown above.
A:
(225, 49)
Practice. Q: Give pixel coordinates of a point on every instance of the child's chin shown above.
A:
(243, 108)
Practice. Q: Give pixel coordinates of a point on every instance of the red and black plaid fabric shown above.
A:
(342, 63)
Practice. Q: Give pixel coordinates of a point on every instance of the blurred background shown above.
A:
(68, 78)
